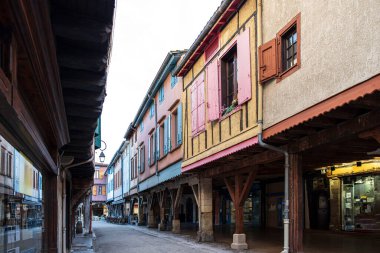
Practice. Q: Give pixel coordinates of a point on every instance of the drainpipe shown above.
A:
(260, 135)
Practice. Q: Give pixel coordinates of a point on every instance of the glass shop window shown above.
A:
(21, 202)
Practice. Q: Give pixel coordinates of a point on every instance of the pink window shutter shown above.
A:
(201, 105)
(244, 67)
(194, 107)
(213, 90)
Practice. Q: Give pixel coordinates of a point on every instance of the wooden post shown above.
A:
(296, 203)
(50, 234)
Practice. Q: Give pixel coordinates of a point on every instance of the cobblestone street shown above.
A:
(125, 238)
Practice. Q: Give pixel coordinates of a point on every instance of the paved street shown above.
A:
(125, 238)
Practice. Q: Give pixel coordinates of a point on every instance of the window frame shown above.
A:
(224, 62)
(296, 21)
(142, 158)
(152, 143)
(174, 129)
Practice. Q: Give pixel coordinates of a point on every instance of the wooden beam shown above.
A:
(195, 191)
(230, 189)
(247, 186)
(178, 196)
(374, 133)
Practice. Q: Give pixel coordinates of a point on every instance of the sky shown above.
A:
(144, 32)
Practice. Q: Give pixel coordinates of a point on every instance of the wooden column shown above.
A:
(176, 223)
(239, 191)
(50, 234)
(296, 203)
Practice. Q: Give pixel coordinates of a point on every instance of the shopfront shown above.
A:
(21, 205)
(360, 195)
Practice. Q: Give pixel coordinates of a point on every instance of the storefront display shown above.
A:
(361, 202)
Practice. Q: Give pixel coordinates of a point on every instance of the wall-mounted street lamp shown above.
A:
(102, 156)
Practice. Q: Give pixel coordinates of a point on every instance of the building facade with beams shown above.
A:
(53, 70)
(99, 191)
(157, 191)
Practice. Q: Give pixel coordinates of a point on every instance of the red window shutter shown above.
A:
(267, 60)
(244, 67)
(213, 90)
(201, 104)
(194, 107)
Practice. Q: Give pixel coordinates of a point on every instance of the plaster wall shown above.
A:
(339, 49)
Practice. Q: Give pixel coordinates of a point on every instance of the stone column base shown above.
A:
(161, 227)
(205, 236)
(176, 224)
(239, 242)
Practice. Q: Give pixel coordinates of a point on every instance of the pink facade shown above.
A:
(99, 191)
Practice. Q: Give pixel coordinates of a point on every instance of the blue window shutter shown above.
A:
(179, 124)
(169, 133)
(165, 136)
(158, 142)
(173, 81)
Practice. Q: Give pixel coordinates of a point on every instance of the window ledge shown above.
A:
(237, 108)
(198, 133)
(175, 148)
(288, 72)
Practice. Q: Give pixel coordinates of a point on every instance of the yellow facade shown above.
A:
(241, 123)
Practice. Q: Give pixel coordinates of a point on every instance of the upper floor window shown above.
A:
(289, 48)
(281, 56)
(151, 111)
(198, 105)
(142, 158)
(151, 148)
(6, 162)
(100, 190)
(176, 126)
(96, 175)
(229, 79)
(161, 95)
(173, 81)
(141, 126)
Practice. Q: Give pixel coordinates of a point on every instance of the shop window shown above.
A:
(281, 56)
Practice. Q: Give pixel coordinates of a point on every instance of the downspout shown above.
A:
(267, 146)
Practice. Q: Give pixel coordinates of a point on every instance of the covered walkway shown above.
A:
(315, 241)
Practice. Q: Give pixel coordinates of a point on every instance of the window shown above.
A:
(94, 192)
(162, 140)
(289, 49)
(3, 160)
(6, 162)
(104, 190)
(151, 149)
(100, 190)
(161, 94)
(135, 137)
(173, 81)
(96, 175)
(142, 158)
(198, 105)
(229, 79)
(141, 126)
(151, 111)
(281, 56)
(176, 126)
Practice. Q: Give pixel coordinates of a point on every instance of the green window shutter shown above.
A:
(166, 136)
(169, 143)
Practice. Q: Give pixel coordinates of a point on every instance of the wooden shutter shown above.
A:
(213, 91)
(149, 150)
(194, 107)
(244, 67)
(179, 124)
(104, 190)
(158, 142)
(94, 190)
(165, 136)
(169, 124)
(201, 104)
(267, 60)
